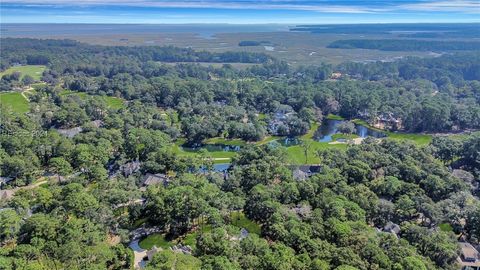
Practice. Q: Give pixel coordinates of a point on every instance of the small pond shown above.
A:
(329, 128)
(218, 167)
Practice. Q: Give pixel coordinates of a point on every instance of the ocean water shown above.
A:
(206, 31)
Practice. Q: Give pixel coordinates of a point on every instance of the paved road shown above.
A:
(139, 253)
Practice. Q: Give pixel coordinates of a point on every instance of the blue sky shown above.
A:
(239, 12)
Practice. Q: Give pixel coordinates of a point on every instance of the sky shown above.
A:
(239, 12)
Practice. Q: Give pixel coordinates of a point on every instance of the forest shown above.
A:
(405, 45)
(102, 120)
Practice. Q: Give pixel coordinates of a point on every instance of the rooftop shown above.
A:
(153, 179)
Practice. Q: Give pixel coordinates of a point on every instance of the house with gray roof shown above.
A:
(130, 168)
(469, 258)
(155, 179)
(392, 228)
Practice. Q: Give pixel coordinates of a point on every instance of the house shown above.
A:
(336, 75)
(387, 121)
(392, 228)
(71, 132)
(182, 249)
(97, 123)
(303, 172)
(130, 168)
(278, 124)
(300, 175)
(6, 194)
(469, 257)
(5, 180)
(243, 234)
(154, 179)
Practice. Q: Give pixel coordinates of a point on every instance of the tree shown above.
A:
(60, 166)
(168, 259)
(346, 127)
(27, 80)
(445, 148)
(9, 224)
(306, 146)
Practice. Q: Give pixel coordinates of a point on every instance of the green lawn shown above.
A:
(267, 139)
(235, 142)
(334, 117)
(241, 221)
(222, 156)
(112, 102)
(191, 238)
(15, 101)
(344, 136)
(446, 227)
(420, 139)
(262, 116)
(296, 154)
(311, 132)
(38, 85)
(33, 70)
(156, 239)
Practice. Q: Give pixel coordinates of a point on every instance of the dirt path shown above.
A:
(14, 190)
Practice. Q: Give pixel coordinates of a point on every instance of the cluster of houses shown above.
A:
(469, 258)
(278, 124)
(383, 121)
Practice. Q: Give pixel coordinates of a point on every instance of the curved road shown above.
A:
(139, 253)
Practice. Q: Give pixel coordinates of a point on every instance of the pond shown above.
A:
(329, 128)
(218, 167)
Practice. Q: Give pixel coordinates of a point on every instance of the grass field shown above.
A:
(15, 101)
(334, 117)
(191, 238)
(241, 221)
(446, 227)
(419, 139)
(33, 70)
(296, 153)
(112, 102)
(311, 132)
(235, 142)
(156, 239)
(344, 136)
(222, 156)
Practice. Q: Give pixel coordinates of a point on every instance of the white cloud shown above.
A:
(323, 6)
(445, 6)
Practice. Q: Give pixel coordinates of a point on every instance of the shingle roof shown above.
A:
(153, 179)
